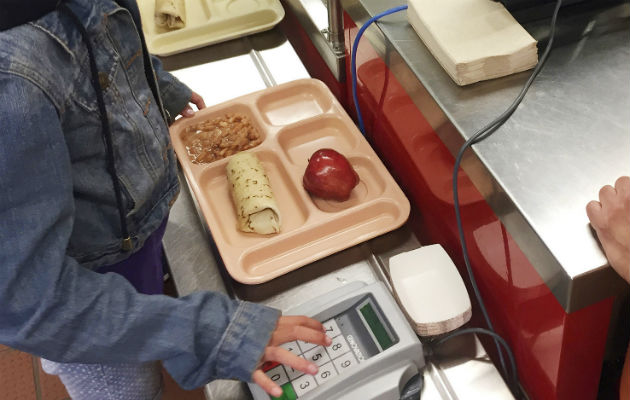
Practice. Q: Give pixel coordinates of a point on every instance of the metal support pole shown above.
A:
(335, 26)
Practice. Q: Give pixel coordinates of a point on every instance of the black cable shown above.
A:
(480, 135)
(496, 336)
(487, 130)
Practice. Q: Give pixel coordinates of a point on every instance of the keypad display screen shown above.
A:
(358, 333)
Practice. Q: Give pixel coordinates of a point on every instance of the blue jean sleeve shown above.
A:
(175, 95)
(54, 308)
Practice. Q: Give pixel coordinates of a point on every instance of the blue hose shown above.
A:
(353, 60)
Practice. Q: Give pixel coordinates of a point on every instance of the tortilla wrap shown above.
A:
(256, 208)
(170, 14)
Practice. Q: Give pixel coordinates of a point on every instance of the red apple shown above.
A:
(329, 175)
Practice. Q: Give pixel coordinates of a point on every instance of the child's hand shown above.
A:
(195, 99)
(288, 329)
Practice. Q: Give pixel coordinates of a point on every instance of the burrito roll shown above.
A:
(253, 199)
(170, 14)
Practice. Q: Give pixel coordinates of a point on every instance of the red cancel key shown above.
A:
(269, 365)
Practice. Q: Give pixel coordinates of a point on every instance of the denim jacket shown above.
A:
(58, 213)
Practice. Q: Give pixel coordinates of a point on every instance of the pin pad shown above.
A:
(372, 354)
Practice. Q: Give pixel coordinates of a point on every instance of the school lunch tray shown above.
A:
(295, 119)
(209, 22)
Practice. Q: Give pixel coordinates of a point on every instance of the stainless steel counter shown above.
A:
(460, 369)
(569, 137)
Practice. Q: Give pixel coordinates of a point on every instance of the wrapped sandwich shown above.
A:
(170, 14)
(253, 198)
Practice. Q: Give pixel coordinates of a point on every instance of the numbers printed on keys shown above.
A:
(338, 347)
(304, 384)
(317, 355)
(326, 372)
(292, 347)
(293, 373)
(332, 329)
(345, 362)
(278, 375)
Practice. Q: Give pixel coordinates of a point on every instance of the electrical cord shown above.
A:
(479, 136)
(489, 129)
(483, 331)
(353, 60)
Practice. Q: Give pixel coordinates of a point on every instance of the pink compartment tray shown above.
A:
(295, 119)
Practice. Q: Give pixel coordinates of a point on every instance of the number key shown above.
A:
(317, 355)
(338, 347)
(326, 372)
(345, 362)
(278, 375)
(305, 346)
(292, 347)
(332, 329)
(293, 373)
(304, 384)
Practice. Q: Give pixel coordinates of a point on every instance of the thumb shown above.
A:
(187, 111)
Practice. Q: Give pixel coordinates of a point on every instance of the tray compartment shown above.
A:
(307, 245)
(371, 186)
(293, 103)
(210, 114)
(301, 140)
(216, 200)
(197, 13)
(236, 7)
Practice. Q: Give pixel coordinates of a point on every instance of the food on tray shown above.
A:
(221, 137)
(170, 14)
(253, 199)
(329, 175)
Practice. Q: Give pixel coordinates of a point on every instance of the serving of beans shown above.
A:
(218, 138)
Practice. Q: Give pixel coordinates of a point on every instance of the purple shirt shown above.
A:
(144, 269)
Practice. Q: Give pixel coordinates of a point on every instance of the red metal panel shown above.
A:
(559, 355)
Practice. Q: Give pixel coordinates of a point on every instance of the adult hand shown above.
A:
(195, 99)
(288, 329)
(610, 217)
